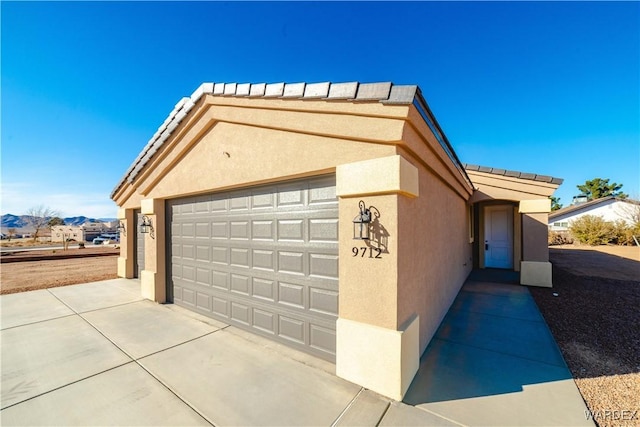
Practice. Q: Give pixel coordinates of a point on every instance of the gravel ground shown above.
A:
(595, 321)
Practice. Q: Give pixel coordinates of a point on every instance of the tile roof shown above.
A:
(514, 174)
(384, 92)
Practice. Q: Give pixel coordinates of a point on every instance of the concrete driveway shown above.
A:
(98, 354)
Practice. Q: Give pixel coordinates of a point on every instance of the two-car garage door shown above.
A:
(264, 258)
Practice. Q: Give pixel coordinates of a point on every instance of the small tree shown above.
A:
(56, 220)
(555, 203)
(38, 219)
(598, 187)
(11, 232)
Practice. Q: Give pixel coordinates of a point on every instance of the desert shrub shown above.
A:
(593, 230)
(624, 233)
(559, 238)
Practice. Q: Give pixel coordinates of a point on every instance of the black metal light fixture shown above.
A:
(121, 229)
(146, 226)
(362, 222)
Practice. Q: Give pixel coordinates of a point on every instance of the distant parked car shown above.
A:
(106, 239)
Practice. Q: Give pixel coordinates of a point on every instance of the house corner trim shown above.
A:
(380, 359)
(536, 273)
(384, 175)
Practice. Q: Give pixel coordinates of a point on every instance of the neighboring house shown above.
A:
(111, 225)
(82, 233)
(610, 208)
(251, 201)
(60, 233)
(95, 229)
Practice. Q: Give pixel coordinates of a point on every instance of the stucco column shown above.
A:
(535, 268)
(372, 349)
(126, 260)
(153, 277)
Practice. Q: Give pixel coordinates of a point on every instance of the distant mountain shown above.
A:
(77, 220)
(14, 221)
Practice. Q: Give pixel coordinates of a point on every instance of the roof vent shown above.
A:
(580, 199)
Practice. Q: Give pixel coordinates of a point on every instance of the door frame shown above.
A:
(479, 225)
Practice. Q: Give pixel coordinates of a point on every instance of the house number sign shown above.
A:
(363, 250)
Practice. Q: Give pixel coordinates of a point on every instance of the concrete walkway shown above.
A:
(494, 362)
(98, 354)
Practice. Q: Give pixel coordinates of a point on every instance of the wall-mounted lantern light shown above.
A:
(362, 222)
(146, 226)
(121, 229)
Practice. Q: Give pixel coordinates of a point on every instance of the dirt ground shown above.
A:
(32, 275)
(593, 311)
(611, 262)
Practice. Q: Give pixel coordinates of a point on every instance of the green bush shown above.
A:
(593, 230)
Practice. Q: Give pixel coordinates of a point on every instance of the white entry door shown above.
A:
(498, 236)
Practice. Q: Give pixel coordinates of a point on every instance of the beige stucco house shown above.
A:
(242, 207)
(60, 233)
(81, 233)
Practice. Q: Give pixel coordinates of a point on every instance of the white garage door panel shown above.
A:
(265, 259)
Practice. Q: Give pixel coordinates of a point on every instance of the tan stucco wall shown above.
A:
(534, 237)
(153, 277)
(126, 260)
(517, 240)
(249, 141)
(256, 156)
(368, 287)
(434, 253)
(396, 303)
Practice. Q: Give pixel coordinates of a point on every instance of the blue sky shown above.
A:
(549, 87)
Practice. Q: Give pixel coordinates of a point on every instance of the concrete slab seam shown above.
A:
(501, 317)
(67, 385)
(440, 416)
(509, 297)
(63, 303)
(175, 345)
(523, 295)
(506, 354)
(38, 321)
(346, 408)
(80, 313)
(541, 320)
(384, 414)
(136, 361)
(175, 393)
